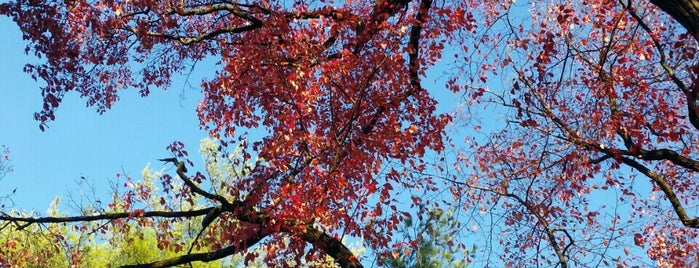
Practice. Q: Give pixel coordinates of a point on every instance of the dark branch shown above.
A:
(383, 9)
(242, 212)
(331, 246)
(232, 9)
(108, 216)
(686, 12)
(181, 169)
(413, 64)
(690, 94)
(203, 257)
(667, 189)
(672, 156)
(253, 22)
(414, 44)
(550, 232)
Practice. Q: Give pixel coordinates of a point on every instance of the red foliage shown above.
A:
(599, 95)
(336, 86)
(602, 124)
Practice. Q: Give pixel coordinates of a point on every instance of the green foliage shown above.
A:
(141, 240)
(32, 247)
(61, 245)
(428, 242)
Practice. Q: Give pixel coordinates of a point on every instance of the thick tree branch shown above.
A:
(690, 93)
(331, 246)
(667, 154)
(383, 9)
(203, 257)
(209, 35)
(660, 154)
(253, 22)
(232, 9)
(667, 189)
(413, 64)
(414, 44)
(686, 12)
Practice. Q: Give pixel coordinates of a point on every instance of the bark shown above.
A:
(686, 12)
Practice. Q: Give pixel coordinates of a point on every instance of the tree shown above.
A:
(595, 94)
(61, 245)
(95, 244)
(337, 88)
(601, 97)
(429, 242)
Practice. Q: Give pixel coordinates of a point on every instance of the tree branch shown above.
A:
(413, 64)
(108, 216)
(667, 189)
(686, 12)
(550, 232)
(331, 246)
(690, 94)
(414, 44)
(667, 154)
(253, 22)
(203, 257)
(181, 169)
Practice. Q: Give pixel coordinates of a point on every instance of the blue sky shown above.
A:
(81, 142)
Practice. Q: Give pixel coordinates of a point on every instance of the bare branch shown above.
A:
(108, 216)
(181, 169)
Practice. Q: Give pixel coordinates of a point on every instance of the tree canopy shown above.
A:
(594, 98)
